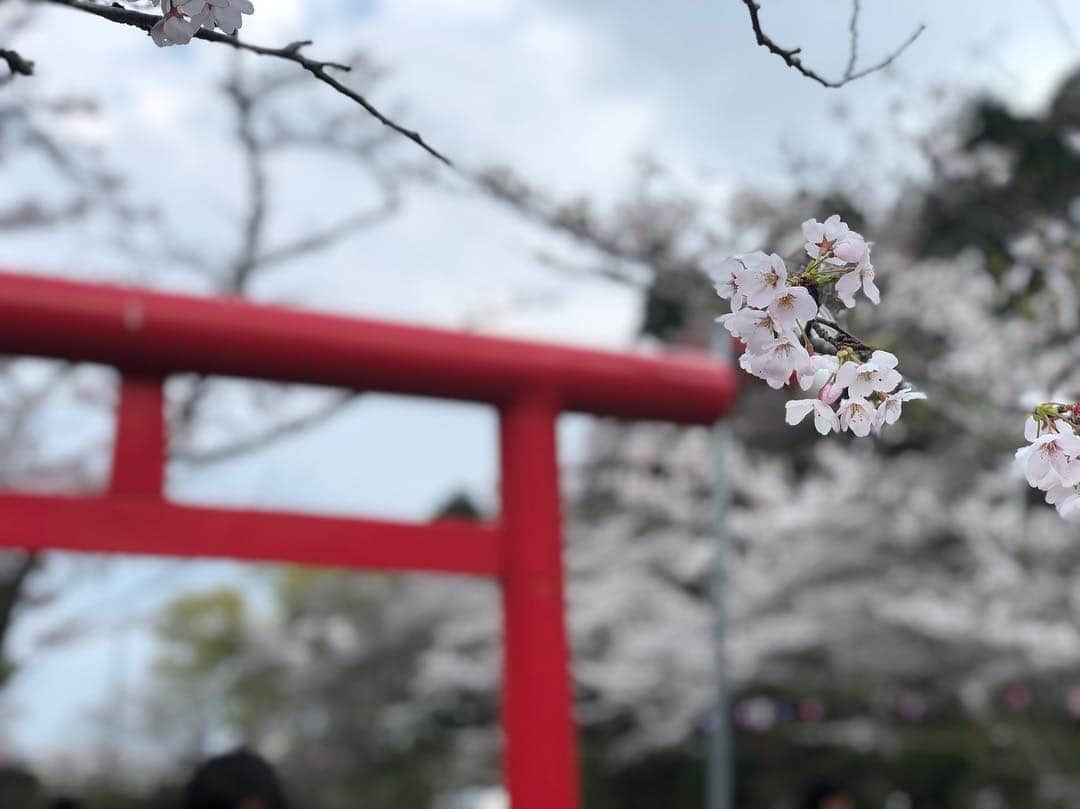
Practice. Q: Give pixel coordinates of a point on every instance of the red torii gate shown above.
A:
(147, 336)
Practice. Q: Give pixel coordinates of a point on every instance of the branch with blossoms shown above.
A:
(790, 336)
(1051, 460)
(219, 21)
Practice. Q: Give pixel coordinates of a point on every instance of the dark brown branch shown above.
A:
(791, 57)
(319, 69)
(17, 64)
(840, 338)
(258, 190)
(11, 589)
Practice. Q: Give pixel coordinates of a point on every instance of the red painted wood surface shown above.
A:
(155, 334)
(148, 336)
(541, 756)
(139, 525)
(139, 448)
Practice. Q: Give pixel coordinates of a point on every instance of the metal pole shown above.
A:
(721, 782)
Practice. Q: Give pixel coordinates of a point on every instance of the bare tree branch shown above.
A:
(793, 60)
(258, 188)
(11, 588)
(853, 37)
(17, 64)
(319, 69)
(260, 135)
(30, 213)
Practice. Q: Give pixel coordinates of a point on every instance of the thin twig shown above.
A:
(11, 588)
(17, 63)
(791, 55)
(319, 69)
(853, 37)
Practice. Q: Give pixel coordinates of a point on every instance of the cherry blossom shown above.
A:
(825, 418)
(858, 415)
(754, 327)
(821, 237)
(1051, 459)
(889, 410)
(183, 18)
(791, 305)
(877, 375)
(778, 360)
(861, 276)
(727, 284)
(790, 338)
(762, 278)
(1066, 499)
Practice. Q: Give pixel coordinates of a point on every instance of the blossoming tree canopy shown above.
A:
(790, 335)
(1051, 460)
(182, 18)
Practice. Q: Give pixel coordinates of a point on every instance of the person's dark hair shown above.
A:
(228, 781)
(65, 803)
(818, 792)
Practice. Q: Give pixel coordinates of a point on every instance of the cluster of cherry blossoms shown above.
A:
(789, 335)
(1051, 460)
(183, 18)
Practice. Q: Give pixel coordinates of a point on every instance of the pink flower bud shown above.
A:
(851, 248)
(830, 392)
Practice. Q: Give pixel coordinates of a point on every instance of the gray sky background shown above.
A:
(568, 93)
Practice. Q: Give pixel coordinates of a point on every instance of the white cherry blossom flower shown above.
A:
(861, 276)
(754, 327)
(825, 418)
(762, 277)
(727, 282)
(183, 18)
(225, 14)
(887, 362)
(1066, 499)
(864, 379)
(858, 415)
(1051, 459)
(1033, 428)
(821, 237)
(778, 360)
(790, 305)
(889, 410)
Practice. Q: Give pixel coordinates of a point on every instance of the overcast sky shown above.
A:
(568, 93)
